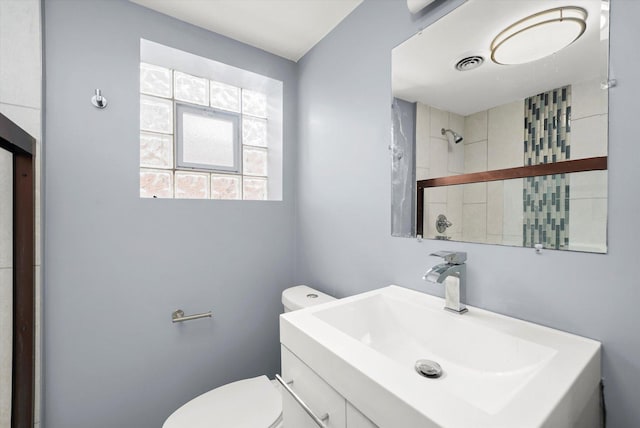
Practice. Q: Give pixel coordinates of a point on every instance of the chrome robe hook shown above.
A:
(98, 100)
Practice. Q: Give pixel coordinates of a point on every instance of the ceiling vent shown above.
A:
(469, 63)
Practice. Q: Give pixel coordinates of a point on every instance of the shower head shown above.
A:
(456, 137)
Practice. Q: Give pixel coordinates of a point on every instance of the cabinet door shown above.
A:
(315, 392)
(355, 419)
(293, 415)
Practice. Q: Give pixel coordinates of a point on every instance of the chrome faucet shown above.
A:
(455, 288)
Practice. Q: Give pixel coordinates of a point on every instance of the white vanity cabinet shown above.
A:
(321, 398)
(500, 372)
(355, 419)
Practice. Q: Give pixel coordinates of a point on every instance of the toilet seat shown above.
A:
(247, 403)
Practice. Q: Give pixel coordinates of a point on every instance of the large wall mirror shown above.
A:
(500, 116)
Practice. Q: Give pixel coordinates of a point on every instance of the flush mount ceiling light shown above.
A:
(539, 35)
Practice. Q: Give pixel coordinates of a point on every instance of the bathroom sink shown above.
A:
(481, 365)
(497, 371)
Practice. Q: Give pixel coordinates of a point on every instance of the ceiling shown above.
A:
(423, 66)
(287, 28)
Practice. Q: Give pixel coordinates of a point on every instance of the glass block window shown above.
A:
(200, 138)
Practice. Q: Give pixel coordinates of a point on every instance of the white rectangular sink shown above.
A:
(497, 371)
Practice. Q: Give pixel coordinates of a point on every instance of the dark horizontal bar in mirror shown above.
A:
(564, 167)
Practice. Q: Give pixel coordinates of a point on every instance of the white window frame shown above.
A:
(234, 118)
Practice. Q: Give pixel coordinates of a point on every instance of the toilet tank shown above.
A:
(301, 296)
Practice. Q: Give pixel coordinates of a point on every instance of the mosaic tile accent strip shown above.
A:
(547, 139)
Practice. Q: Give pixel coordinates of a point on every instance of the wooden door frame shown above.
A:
(22, 145)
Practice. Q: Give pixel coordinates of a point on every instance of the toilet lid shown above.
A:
(247, 403)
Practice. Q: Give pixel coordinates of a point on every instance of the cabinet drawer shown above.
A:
(315, 392)
(355, 419)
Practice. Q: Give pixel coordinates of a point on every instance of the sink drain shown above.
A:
(428, 368)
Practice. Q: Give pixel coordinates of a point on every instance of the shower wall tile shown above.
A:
(475, 157)
(505, 136)
(474, 222)
(547, 207)
(456, 123)
(422, 155)
(514, 240)
(20, 53)
(547, 127)
(439, 120)
(504, 156)
(576, 128)
(433, 210)
(494, 239)
(589, 137)
(495, 208)
(588, 219)
(475, 127)
(455, 164)
(438, 157)
(513, 214)
(548, 138)
(589, 184)
(588, 99)
(422, 173)
(423, 122)
(437, 194)
(454, 210)
(456, 158)
(475, 193)
(505, 124)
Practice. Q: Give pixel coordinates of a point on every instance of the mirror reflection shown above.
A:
(495, 212)
(523, 87)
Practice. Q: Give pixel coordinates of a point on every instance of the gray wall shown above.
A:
(118, 265)
(343, 208)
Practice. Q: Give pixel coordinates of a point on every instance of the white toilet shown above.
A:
(226, 406)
